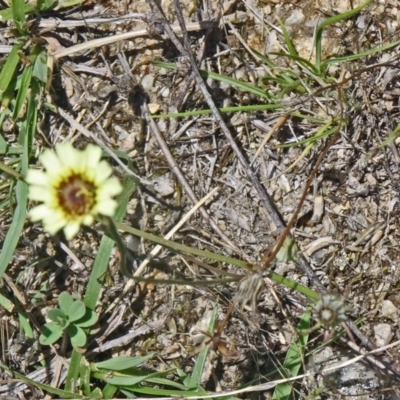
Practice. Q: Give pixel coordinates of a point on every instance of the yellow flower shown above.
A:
(75, 187)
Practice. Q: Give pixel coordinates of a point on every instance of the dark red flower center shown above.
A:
(76, 195)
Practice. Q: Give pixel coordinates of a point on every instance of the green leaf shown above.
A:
(28, 126)
(65, 301)
(195, 379)
(55, 314)
(166, 392)
(84, 373)
(21, 97)
(6, 303)
(109, 391)
(29, 8)
(122, 363)
(17, 7)
(40, 67)
(244, 86)
(76, 310)
(126, 379)
(8, 70)
(293, 360)
(255, 107)
(77, 335)
(330, 21)
(18, 220)
(352, 57)
(6, 14)
(288, 251)
(298, 287)
(289, 44)
(89, 319)
(44, 5)
(68, 3)
(24, 323)
(96, 394)
(50, 333)
(167, 382)
(59, 393)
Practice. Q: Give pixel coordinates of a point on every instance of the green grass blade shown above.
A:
(23, 90)
(18, 13)
(68, 3)
(325, 130)
(264, 59)
(8, 70)
(6, 303)
(392, 136)
(293, 359)
(62, 394)
(289, 44)
(45, 4)
(217, 257)
(330, 21)
(167, 382)
(256, 107)
(32, 8)
(168, 392)
(181, 247)
(353, 57)
(304, 63)
(298, 287)
(7, 14)
(121, 363)
(25, 326)
(109, 391)
(244, 86)
(40, 67)
(195, 379)
(101, 263)
(17, 224)
(10, 171)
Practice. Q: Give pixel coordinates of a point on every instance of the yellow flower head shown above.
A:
(75, 187)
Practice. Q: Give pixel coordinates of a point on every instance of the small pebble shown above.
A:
(148, 82)
(389, 310)
(383, 334)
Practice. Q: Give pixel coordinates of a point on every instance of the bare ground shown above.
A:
(350, 243)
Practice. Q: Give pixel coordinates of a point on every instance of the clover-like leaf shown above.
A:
(65, 301)
(56, 315)
(89, 319)
(76, 311)
(77, 335)
(50, 333)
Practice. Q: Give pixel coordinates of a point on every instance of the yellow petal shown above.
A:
(102, 172)
(53, 227)
(106, 207)
(37, 213)
(54, 220)
(109, 188)
(71, 229)
(51, 162)
(88, 220)
(36, 177)
(93, 156)
(40, 193)
(68, 156)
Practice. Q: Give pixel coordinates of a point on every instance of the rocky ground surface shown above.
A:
(347, 229)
